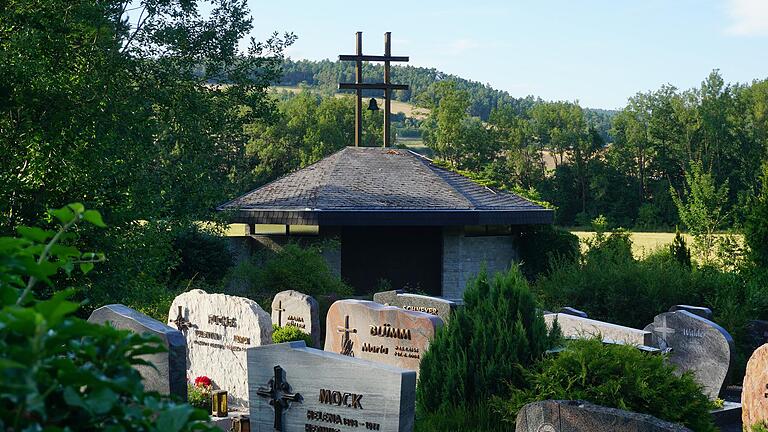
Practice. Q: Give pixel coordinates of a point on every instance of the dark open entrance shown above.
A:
(405, 256)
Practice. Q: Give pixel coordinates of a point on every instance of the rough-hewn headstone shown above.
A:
(701, 311)
(573, 311)
(170, 373)
(292, 308)
(219, 328)
(295, 388)
(576, 327)
(415, 302)
(695, 344)
(580, 416)
(754, 395)
(387, 334)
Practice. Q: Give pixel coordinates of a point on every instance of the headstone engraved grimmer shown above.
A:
(292, 308)
(169, 376)
(415, 302)
(294, 388)
(754, 396)
(219, 328)
(695, 344)
(387, 334)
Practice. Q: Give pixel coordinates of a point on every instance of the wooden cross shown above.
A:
(359, 86)
(279, 395)
(280, 311)
(346, 341)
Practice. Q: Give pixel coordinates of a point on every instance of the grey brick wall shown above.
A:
(464, 256)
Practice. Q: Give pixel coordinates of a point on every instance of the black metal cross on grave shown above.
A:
(279, 395)
(280, 309)
(182, 323)
(359, 86)
(346, 341)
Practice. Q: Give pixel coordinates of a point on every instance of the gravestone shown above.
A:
(415, 302)
(573, 311)
(695, 344)
(703, 312)
(169, 376)
(754, 395)
(296, 388)
(576, 327)
(219, 328)
(578, 416)
(292, 308)
(387, 334)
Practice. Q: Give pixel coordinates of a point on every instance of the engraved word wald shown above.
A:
(333, 397)
(296, 321)
(697, 333)
(222, 321)
(387, 330)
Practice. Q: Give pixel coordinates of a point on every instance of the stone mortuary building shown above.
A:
(397, 216)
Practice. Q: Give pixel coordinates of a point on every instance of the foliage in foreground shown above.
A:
(615, 376)
(60, 372)
(482, 347)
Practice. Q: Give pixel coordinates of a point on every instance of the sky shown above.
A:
(596, 52)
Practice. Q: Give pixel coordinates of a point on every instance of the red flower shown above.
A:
(202, 381)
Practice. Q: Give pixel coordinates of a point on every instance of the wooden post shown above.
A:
(387, 91)
(359, 91)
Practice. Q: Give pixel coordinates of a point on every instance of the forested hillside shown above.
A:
(325, 75)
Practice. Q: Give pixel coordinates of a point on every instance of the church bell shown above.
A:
(372, 105)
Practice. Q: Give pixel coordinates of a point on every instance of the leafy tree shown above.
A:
(756, 224)
(703, 210)
(63, 373)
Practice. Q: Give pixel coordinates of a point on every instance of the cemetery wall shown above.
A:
(464, 256)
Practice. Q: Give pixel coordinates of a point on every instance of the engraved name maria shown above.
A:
(387, 330)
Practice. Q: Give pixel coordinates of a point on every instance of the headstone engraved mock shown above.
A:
(576, 327)
(570, 416)
(754, 395)
(387, 334)
(292, 308)
(415, 302)
(695, 344)
(169, 376)
(297, 388)
(218, 329)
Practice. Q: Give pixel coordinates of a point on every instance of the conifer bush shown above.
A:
(484, 346)
(616, 376)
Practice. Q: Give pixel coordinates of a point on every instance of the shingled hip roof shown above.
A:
(381, 186)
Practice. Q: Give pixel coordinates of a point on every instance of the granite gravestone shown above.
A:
(573, 311)
(387, 334)
(169, 376)
(754, 395)
(701, 311)
(577, 416)
(695, 344)
(219, 328)
(415, 302)
(292, 308)
(295, 388)
(576, 327)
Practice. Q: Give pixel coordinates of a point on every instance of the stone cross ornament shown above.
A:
(279, 395)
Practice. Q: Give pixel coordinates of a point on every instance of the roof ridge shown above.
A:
(430, 167)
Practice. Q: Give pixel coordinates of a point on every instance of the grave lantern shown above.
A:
(219, 403)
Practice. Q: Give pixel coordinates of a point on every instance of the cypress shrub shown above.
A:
(483, 346)
(616, 376)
